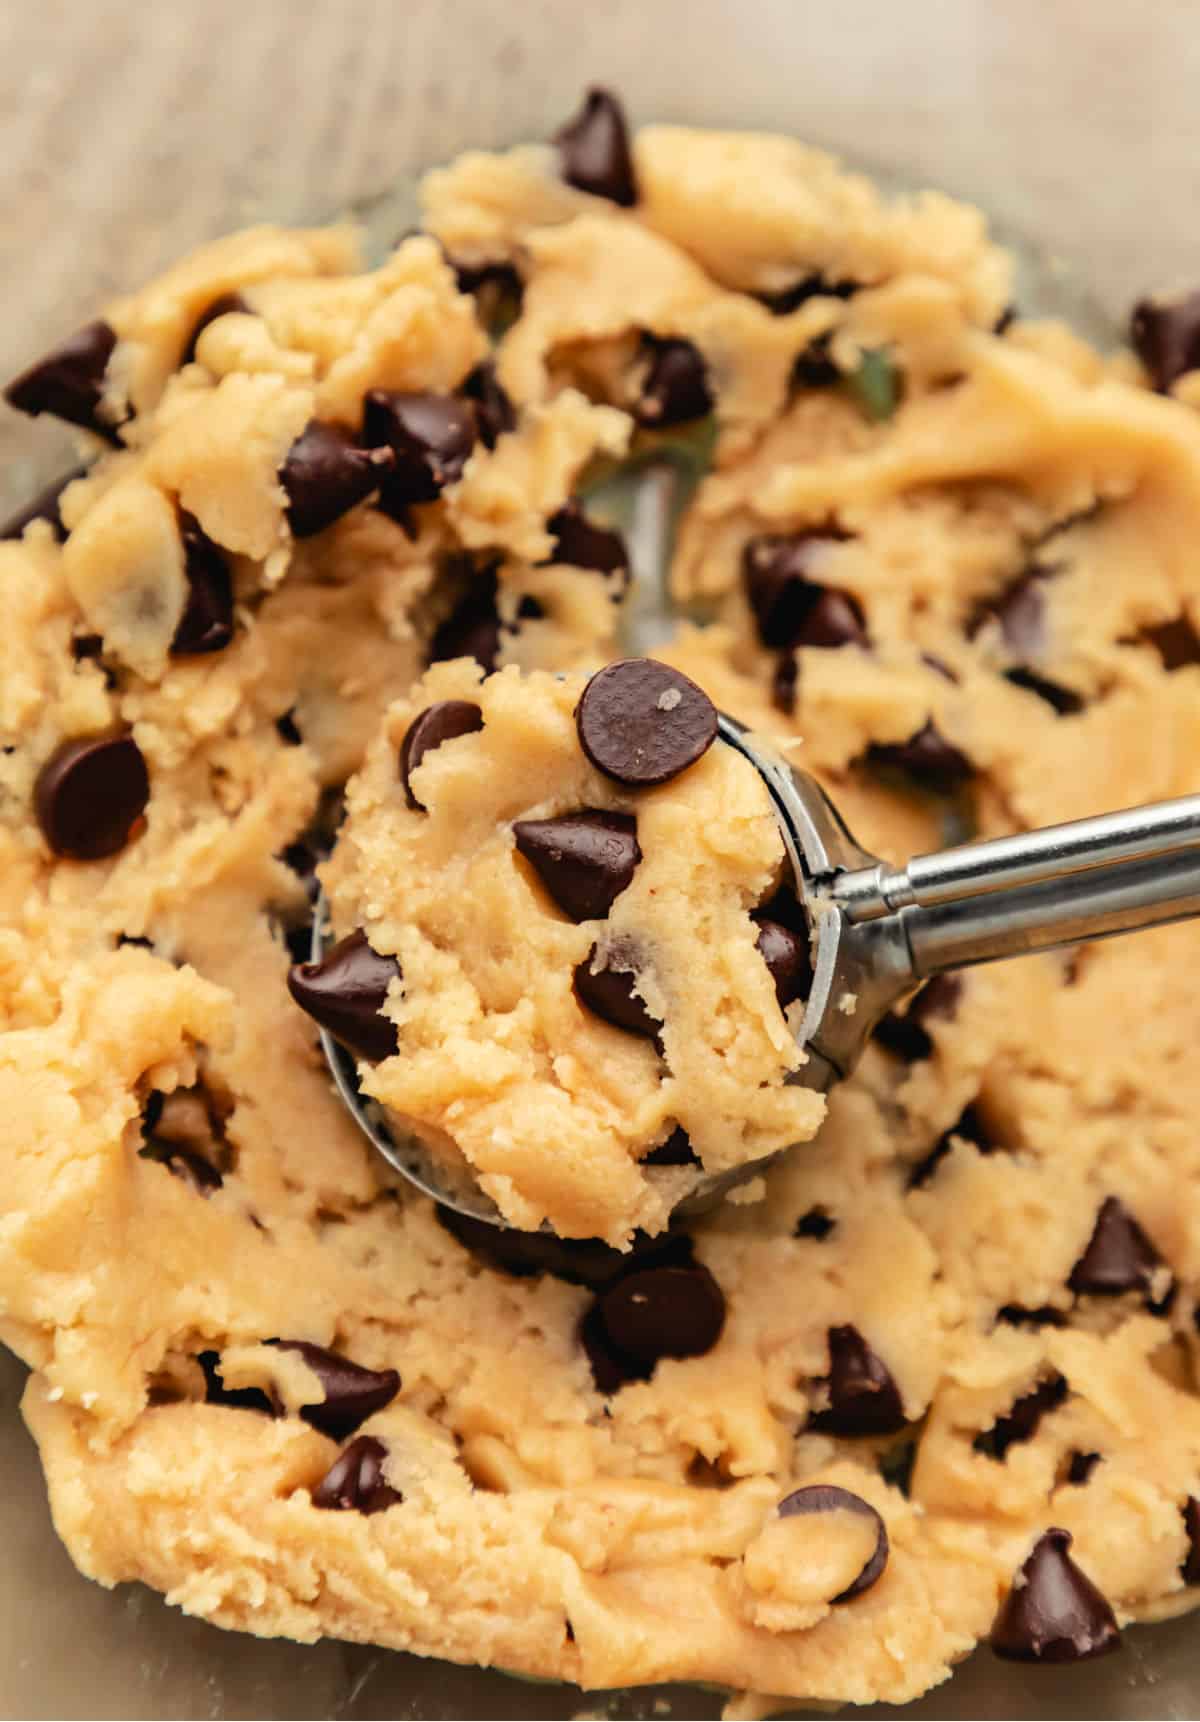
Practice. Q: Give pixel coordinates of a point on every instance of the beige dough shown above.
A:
(546, 1525)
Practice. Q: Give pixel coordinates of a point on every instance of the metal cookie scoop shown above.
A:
(877, 931)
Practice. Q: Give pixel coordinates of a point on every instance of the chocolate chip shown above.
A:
(642, 723)
(472, 629)
(239, 1398)
(654, 1313)
(1081, 1466)
(1019, 1315)
(497, 289)
(207, 621)
(828, 1498)
(903, 1033)
(1119, 1256)
(1020, 609)
(585, 860)
(814, 368)
(1165, 335)
(1190, 1569)
(43, 507)
(1005, 320)
(969, 1126)
(787, 299)
(1065, 701)
(494, 413)
(288, 729)
(790, 607)
(863, 1397)
(1053, 1613)
(430, 436)
(222, 307)
(1177, 643)
(579, 1261)
(326, 474)
(594, 151)
(352, 1393)
(610, 994)
(355, 1483)
(938, 998)
(69, 382)
(927, 757)
(580, 543)
(674, 388)
(442, 721)
(345, 993)
(185, 1164)
(816, 1224)
(677, 1150)
(90, 795)
(86, 648)
(787, 957)
(1020, 1422)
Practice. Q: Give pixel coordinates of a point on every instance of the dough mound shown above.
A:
(803, 1446)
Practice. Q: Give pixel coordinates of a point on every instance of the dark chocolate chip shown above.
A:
(662, 1312)
(969, 1126)
(1081, 1466)
(786, 299)
(814, 368)
(222, 307)
(497, 289)
(610, 994)
(580, 543)
(1053, 1613)
(1165, 335)
(90, 795)
(677, 1150)
(1020, 1422)
(1190, 1569)
(1020, 609)
(785, 683)
(1020, 1315)
(897, 1463)
(442, 721)
(828, 1498)
(326, 474)
(642, 723)
(345, 993)
(1119, 1256)
(239, 1398)
(579, 1261)
(863, 1397)
(787, 957)
(352, 1393)
(585, 860)
(610, 1371)
(674, 388)
(355, 1483)
(69, 382)
(430, 436)
(938, 998)
(816, 1224)
(903, 1033)
(494, 412)
(594, 151)
(43, 507)
(472, 629)
(86, 648)
(790, 607)
(1177, 643)
(1005, 320)
(927, 757)
(902, 1038)
(288, 729)
(1065, 701)
(207, 621)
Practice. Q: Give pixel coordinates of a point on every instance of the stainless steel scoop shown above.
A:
(877, 931)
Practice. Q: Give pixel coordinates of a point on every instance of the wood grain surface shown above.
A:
(130, 130)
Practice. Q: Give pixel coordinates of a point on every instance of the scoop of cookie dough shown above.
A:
(569, 956)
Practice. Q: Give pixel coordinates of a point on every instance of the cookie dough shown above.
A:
(589, 963)
(946, 558)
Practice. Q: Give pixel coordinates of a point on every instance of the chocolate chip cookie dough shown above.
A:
(585, 948)
(939, 1383)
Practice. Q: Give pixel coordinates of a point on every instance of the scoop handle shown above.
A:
(1006, 896)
